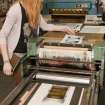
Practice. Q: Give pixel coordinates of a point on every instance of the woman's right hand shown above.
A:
(7, 68)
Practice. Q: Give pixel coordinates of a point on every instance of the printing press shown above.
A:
(60, 73)
(70, 10)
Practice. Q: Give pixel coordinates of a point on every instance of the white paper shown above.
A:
(39, 97)
(72, 39)
(93, 29)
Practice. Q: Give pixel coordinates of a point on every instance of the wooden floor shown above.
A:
(7, 83)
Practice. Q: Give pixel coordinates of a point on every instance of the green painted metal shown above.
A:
(32, 46)
(99, 51)
(99, 55)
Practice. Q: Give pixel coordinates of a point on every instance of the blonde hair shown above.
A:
(32, 8)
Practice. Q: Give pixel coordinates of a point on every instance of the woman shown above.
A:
(12, 34)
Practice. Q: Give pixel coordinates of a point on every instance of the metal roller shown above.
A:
(61, 79)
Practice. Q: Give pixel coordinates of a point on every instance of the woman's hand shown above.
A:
(68, 30)
(7, 68)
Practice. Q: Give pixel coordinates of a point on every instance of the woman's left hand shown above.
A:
(68, 30)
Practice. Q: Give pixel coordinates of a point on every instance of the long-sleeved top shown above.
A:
(12, 27)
